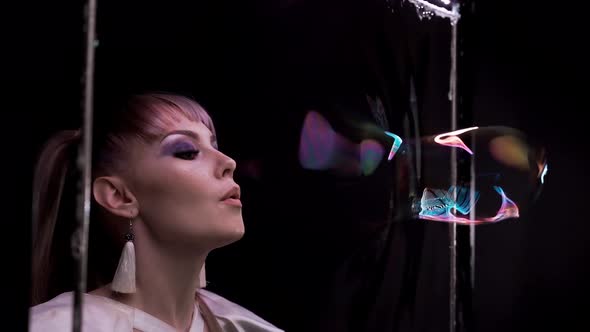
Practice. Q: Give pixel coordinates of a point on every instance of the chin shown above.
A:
(231, 234)
(237, 232)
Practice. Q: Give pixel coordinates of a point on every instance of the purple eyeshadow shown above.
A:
(178, 146)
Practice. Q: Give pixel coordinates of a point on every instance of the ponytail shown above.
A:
(55, 160)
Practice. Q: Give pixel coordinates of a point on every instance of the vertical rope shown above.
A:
(453, 226)
(84, 162)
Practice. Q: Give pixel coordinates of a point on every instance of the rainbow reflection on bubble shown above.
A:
(321, 148)
(397, 142)
(316, 143)
(508, 209)
(441, 205)
(451, 139)
(544, 172)
(371, 153)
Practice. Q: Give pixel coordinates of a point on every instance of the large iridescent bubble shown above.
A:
(505, 173)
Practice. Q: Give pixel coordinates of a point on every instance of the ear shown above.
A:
(112, 193)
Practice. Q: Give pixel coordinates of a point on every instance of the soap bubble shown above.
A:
(500, 171)
(505, 174)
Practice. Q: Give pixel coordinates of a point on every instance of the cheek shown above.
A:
(183, 207)
(175, 198)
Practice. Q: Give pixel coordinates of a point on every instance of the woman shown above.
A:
(164, 197)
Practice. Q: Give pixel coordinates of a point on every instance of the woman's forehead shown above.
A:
(187, 126)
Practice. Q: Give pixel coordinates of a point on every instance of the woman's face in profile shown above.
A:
(185, 188)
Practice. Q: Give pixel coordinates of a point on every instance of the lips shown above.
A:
(232, 197)
(232, 201)
(232, 194)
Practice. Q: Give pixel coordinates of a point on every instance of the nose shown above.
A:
(226, 167)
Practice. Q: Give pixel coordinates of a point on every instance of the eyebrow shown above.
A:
(190, 134)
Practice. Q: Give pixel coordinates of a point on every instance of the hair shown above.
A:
(143, 117)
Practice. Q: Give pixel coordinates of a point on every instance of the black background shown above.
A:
(311, 259)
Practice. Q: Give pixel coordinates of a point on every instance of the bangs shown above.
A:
(161, 111)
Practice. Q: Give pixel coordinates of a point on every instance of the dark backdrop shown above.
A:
(319, 254)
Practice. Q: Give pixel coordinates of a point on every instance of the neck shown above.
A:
(166, 282)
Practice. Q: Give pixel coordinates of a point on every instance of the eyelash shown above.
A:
(183, 154)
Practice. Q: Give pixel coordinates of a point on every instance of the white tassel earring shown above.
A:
(202, 278)
(124, 280)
